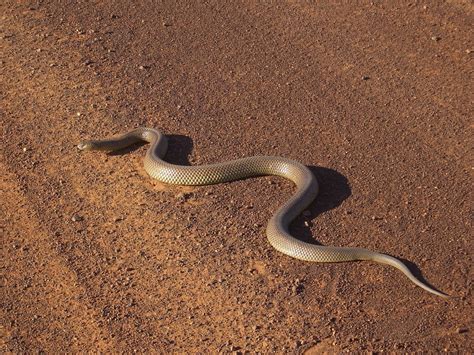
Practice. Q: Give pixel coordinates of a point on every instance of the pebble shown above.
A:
(435, 38)
(468, 51)
(77, 218)
(365, 77)
(461, 330)
(184, 196)
(297, 287)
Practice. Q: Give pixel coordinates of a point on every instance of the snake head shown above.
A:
(85, 145)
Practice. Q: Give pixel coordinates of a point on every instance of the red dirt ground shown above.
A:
(375, 97)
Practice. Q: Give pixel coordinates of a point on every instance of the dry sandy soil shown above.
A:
(374, 97)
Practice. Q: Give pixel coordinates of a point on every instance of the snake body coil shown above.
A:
(277, 228)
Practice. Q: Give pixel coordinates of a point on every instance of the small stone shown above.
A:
(297, 287)
(365, 77)
(461, 330)
(166, 24)
(468, 51)
(141, 67)
(25, 149)
(435, 38)
(78, 114)
(184, 196)
(77, 218)
(118, 218)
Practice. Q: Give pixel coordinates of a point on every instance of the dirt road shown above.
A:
(374, 97)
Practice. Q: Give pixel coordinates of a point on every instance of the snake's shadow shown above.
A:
(179, 149)
(334, 188)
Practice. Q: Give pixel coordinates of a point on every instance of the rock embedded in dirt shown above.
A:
(76, 218)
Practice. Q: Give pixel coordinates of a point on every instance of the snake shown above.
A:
(277, 229)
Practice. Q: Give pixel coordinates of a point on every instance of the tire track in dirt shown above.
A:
(43, 304)
(38, 134)
(444, 67)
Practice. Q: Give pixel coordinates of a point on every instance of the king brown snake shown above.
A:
(277, 228)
